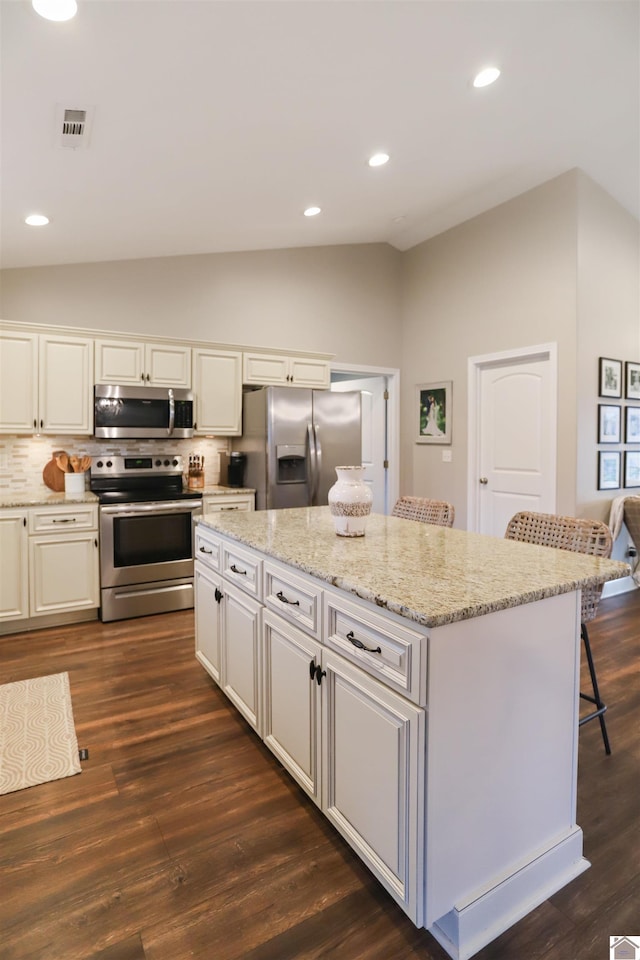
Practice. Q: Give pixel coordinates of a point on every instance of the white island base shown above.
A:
(442, 747)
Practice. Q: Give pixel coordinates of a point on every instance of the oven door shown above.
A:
(146, 542)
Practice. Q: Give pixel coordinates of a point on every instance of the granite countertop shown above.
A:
(42, 496)
(431, 575)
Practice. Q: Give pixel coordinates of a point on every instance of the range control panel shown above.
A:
(158, 465)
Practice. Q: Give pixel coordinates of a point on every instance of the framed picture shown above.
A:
(433, 402)
(608, 469)
(632, 468)
(610, 379)
(609, 423)
(632, 381)
(632, 425)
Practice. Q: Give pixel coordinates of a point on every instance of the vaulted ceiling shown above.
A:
(212, 124)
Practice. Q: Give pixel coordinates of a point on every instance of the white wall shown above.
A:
(342, 300)
(504, 279)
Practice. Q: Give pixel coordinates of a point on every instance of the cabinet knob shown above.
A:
(483, 480)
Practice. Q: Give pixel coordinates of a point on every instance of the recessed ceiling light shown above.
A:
(486, 76)
(55, 9)
(378, 159)
(312, 211)
(37, 220)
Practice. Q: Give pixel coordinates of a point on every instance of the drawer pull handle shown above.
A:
(218, 595)
(320, 673)
(360, 645)
(204, 550)
(281, 597)
(238, 570)
(229, 508)
(66, 520)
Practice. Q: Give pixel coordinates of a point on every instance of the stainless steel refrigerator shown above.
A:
(294, 439)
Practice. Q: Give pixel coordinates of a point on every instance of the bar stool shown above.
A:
(438, 512)
(581, 536)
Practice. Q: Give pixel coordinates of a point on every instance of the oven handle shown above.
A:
(128, 510)
(172, 412)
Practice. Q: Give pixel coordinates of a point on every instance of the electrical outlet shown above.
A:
(446, 456)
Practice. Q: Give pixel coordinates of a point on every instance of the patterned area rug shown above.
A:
(37, 736)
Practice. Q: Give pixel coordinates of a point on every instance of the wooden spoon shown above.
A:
(75, 464)
(63, 462)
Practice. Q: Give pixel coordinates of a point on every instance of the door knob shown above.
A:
(483, 480)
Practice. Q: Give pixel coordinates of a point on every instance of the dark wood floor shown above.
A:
(183, 838)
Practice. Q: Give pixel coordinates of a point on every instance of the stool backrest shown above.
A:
(565, 533)
(438, 512)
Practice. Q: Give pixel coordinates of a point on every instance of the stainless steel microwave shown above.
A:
(121, 412)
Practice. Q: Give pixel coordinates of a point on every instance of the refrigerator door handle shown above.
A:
(318, 446)
(313, 473)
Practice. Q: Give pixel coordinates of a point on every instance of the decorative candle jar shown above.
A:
(350, 502)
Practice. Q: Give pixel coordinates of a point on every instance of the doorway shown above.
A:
(512, 436)
(379, 388)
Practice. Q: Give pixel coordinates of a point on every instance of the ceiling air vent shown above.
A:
(72, 127)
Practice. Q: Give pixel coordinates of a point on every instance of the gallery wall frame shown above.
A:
(609, 423)
(632, 381)
(632, 424)
(608, 469)
(609, 377)
(434, 412)
(632, 468)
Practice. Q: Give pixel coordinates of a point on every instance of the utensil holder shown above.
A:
(74, 483)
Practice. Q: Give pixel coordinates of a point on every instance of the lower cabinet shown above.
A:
(355, 746)
(14, 581)
(63, 572)
(208, 594)
(241, 621)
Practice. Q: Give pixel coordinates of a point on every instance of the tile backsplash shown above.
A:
(23, 458)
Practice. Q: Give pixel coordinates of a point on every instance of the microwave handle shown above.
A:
(172, 412)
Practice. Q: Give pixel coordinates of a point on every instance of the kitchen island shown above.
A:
(421, 685)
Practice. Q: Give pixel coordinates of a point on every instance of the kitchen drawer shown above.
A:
(242, 568)
(57, 519)
(228, 502)
(383, 647)
(207, 547)
(294, 598)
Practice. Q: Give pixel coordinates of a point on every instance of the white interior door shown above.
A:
(513, 433)
(373, 391)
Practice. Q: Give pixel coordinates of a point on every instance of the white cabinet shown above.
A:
(241, 621)
(229, 501)
(292, 701)
(150, 364)
(14, 579)
(45, 384)
(208, 595)
(63, 563)
(265, 369)
(373, 746)
(217, 387)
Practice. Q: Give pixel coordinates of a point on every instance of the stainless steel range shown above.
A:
(146, 535)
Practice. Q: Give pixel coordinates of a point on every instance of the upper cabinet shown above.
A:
(217, 388)
(45, 383)
(148, 364)
(266, 368)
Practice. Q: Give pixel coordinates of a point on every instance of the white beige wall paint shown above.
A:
(505, 279)
(342, 300)
(608, 323)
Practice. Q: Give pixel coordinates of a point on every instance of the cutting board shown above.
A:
(53, 476)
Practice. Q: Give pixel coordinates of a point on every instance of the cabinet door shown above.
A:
(14, 593)
(217, 386)
(18, 382)
(292, 700)
(65, 394)
(264, 368)
(225, 502)
(241, 629)
(167, 365)
(309, 373)
(119, 361)
(373, 743)
(63, 573)
(208, 595)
